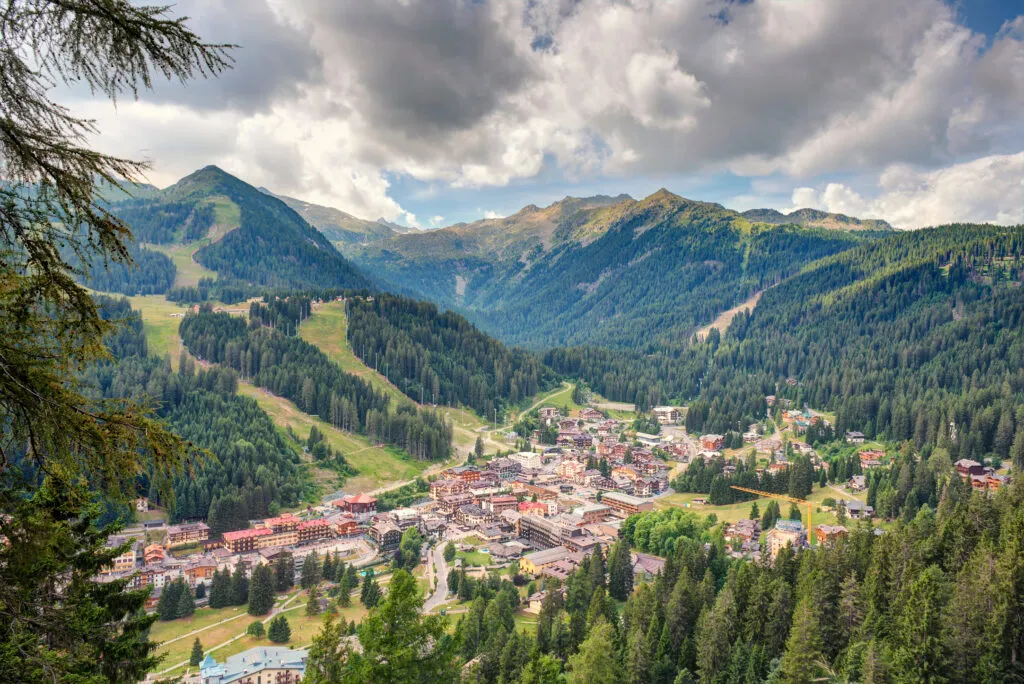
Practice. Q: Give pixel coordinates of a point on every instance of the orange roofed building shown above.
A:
(358, 504)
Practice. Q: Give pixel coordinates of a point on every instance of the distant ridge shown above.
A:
(814, 218)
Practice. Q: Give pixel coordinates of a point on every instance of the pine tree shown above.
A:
(478, 448)
(313, 604)
(220, 589)
(597, 578)
(310, 571)
(371, 593)
(804, 646)
(197, 653)
(280, 632)
(284, 572)
(595, 663)
(327, 570)
(755, 512)
(239, 586)
(620, 571)
(170, 597)
(325, 664)
(261, 590)
(201, 590)
(186, 602)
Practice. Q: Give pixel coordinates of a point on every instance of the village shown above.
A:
(535, 514)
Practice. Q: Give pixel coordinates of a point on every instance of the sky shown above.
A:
(432, 112)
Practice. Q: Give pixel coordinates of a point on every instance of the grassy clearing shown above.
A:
(189, 272)
(204, 619)
(378, 466)
(327, 329)
(160, 327)
(474, 558)
(226, 217)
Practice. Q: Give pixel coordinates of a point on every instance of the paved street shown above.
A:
(441, 572)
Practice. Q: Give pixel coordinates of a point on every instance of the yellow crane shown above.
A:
(783, 497)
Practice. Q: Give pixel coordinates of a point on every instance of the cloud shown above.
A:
(985, 190)
(330, 99)
(437, 221)
(491, 214)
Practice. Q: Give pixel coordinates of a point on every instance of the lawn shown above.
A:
(161, 329)
(475, 558)
(204, 619)
(378, 466)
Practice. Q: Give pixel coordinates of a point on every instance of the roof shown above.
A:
(243, 534)
(319, 522)
(247, 663)
(360, 499)
(551, 555)
(623, 498)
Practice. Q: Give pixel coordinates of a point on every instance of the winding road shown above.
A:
(440, 594)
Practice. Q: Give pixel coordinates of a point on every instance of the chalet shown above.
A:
(559, 570)
(443, 488)
(590, 414)
(532, 508)
(345, 526)
(750, 437)
(628, 472)
(712, 442)
(582, 441)
(129, 559)
(858, 483)
(548, 414)
(666, 415)
(527, 459)
(644, 487)
(570, 469)
(466, 474)
(967, 467)
(854, 437)
(856, 509)
(745, 530)
(385, 534)
(871, 458)
(360, 504)
(568, 425)
(829, 533)
(153, 554)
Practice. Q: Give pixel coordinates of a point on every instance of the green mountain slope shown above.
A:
(246, 236)
(605, 270)
(915, 336)
(342, 229)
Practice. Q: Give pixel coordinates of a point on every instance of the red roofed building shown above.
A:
(246, 540)
(358, 504)
(533, 508)
(314, 529)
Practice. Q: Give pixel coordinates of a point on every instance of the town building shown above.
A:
(666, 415)
(500, 502)
(260, 665)
(360, 504)
(129, 559)
(785, 533)
(712, 442)
(385, 534)
(311, 530)
(854, 437)
(442, 488)
(829, 533)
(472, 515)
(625, 503)
(546, 533)
(187, 533)
(241, 541)
(535, 563)
(593, 513)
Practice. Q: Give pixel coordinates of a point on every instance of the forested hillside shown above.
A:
(292, 368)
(152, 273)
(933, 599)
(251, 239)
(608, 271)
(441, 358)
(917, 336)
(251, 471)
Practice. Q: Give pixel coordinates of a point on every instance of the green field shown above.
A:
(378, 466)
(161, 329)
(474, 558)
(189, 272)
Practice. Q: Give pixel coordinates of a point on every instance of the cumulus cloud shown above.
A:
(330, 98)
(491, 214)
(985, 190)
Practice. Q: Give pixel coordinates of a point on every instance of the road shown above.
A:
(440, 594)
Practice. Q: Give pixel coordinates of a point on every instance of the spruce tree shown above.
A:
(313, 603)
(596, 569)
(197, 653)
(186, 602)
(371, 593)
(284, 572)
(261, 590)
(327, 569)
(620, 571)
(167, 607)
(310, 570)
(804, 646)
(449, 552)
(280, 632)
(239, 586)
(201, 590)
(220, 589)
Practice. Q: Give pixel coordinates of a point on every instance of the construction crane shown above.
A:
(783, 497)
